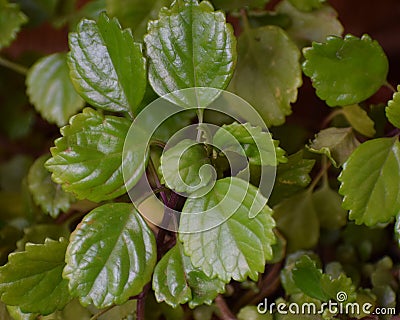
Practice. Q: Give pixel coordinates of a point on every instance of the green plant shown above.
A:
(75, 243)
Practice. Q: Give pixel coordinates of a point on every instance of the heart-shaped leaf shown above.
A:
(111, 256)
(51, 91)
(107, 67)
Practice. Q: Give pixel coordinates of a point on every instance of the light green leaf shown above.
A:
(393, 109)
(136, 13)
(334, 287)
(328, 205)
(370, 181)
(47, 194)
(297, 220)
(264, 52)
(111, 256)
(307, 27)
(176, 281)
(11, 19)
(308, 277)
(107, 67)
(32, 279)
(239, 246)
(258, 146)
(16, 314)
(307, 5)
(73, 311)
(359, 120)
(51, 91)
(237, 4)
(186, 167)
(336, 143)
(346, 71)
(251, 313)
(291, 177)
(189, 46)
(87, 160)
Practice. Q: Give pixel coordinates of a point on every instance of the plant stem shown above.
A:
(101, 312)
(330, 117)
(388, 85)
(325, 166)
(13, 66)
(226, 313)
(141, 303)
(154, 175)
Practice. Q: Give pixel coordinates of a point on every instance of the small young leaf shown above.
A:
(111, 256)
(189, 46)
(107, 67)
(252, 313)
(47, 194)
(176, 281)
(11, 19)
(346, 71)
(393, 109)
(51, 91)
(307, 27)
(291, 177)
(258, 146)
(359, 120)
(307, 5)
(335, 287)
(308, 277)
(186, 167)
(370, 181)
(297, 219)
(336, 143)
(223, 250)
(87, 160)
(32, 279)
(264, 52)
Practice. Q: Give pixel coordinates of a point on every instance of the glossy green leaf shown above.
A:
(359, 120)
(87, 160)
(47, 194)
(306, 27)
(190, 45)
(251, 313)
(335, 287)
(11, 20)
(346, 71)
(297, 220)
(369, 181)
(111, 256)
(308, 278)
(291, 177)
(16, 314)
(237, 4)
(136, 13)
(258, 146)
(176, 281)
(51, 91)
(107, 67)
(393, 109)
(32, 279)
(336, 143)
(224, 250)
(307, 5)
(328, 205)
(186, 167)
(268, 72)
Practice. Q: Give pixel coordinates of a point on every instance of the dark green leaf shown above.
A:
(13, 172)
(237, 4)
(190, 45)
(87, 160)
(306, 27)
(111, 256)
(231, 245)
(264, 52)
(258, 146)
(47, 194)
(370, 181)
(297, 219)
(107, 67)
(393, 109)
(51, 91)
(336, 143)
(32, 279)
(11, 19)
(186, 167)
(346, 71)
(359, 120)
(176, 281)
